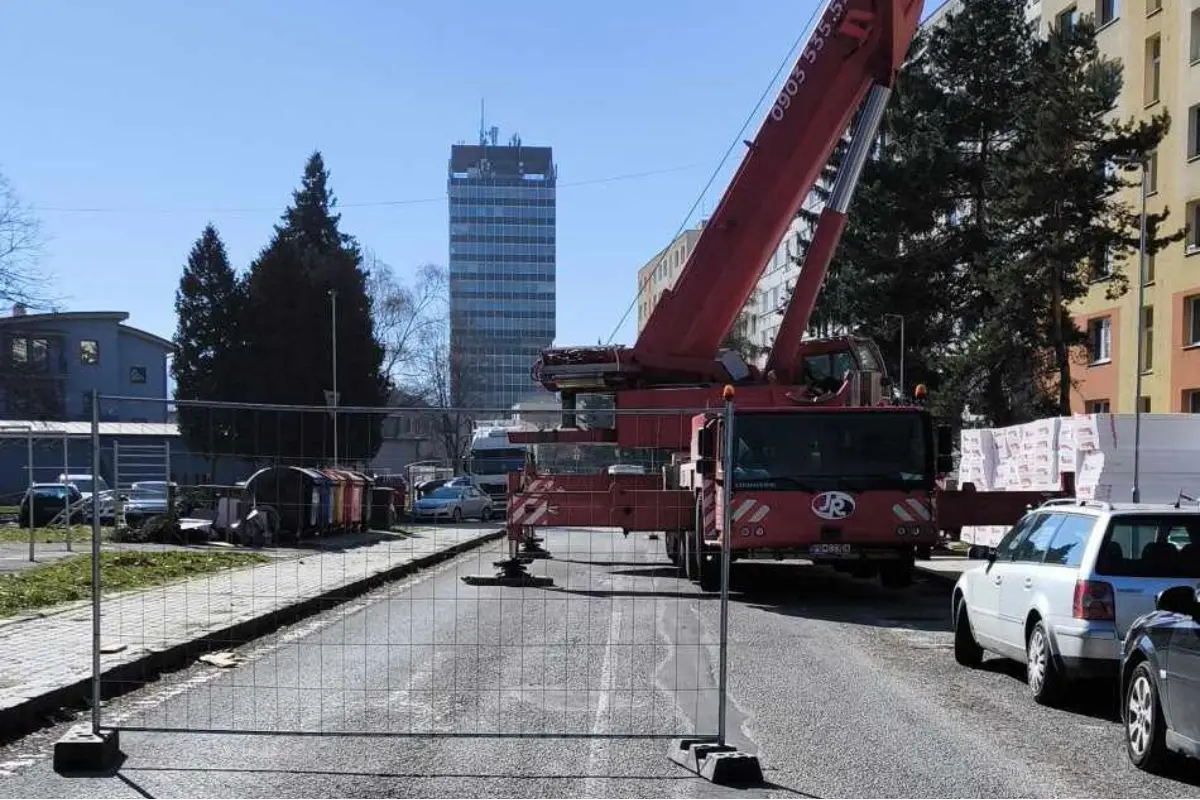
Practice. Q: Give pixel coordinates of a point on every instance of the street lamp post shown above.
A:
(903, 385)
(333, 337)
(1141, 332)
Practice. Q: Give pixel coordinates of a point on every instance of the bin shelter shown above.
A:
(318, 512)
(337, 487)
(289, 491)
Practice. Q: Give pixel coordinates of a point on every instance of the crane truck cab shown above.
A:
(844, 486)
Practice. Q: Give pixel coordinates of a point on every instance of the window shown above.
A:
(1144, 404)
(1193, 142)
(1033, 547)
(1191, 401)
(1195, 44)
(137, 374)
(1147, 350)
(1152, 546)
(1191, 321)
(1153, 68)
(1147, 265)
(29, 355)
(1066, 19)
(89, 352)
(1106, 11)
(1070, 540)
(1097, 407)
(1008, 545)
(1193, 222)
(1153, 7)
(1152, 173)
(1102, 264)
(1100, 340)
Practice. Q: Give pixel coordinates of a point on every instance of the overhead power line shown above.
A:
(362, 204)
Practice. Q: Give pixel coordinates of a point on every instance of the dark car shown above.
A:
(1160, 681)
(49, 500)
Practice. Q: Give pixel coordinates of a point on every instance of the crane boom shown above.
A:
(857, 45)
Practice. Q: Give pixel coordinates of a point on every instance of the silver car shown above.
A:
(453, 503)
(1061, 589)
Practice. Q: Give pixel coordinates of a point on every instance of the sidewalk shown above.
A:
(945, 568)
(46, 659)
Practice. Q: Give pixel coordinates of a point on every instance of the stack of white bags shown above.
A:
(1097, 448)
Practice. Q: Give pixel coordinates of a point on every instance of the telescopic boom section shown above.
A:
(857, 44)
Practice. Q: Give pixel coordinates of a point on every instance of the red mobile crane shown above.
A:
(830, 473)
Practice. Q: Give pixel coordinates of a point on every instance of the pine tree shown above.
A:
(290, 295)
(208, 345)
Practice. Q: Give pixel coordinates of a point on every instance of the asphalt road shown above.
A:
(841, 687)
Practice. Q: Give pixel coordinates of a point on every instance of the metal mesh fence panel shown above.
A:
(362, 590)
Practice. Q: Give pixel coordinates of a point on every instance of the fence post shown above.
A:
(96, 562)
(29, 457)
(66, 472)
(726, 542)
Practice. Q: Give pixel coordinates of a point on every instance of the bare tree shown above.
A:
(442, 371)
(20, 247)
(404, 315)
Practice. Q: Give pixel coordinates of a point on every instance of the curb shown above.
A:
(938, 576)
(31, 715)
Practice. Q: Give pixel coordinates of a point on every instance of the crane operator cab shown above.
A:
(828, 365)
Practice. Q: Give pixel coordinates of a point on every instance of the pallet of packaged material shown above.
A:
(1153, 488)
(986, 535)
(1108, 432)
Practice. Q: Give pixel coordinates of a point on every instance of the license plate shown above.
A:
(831, 549)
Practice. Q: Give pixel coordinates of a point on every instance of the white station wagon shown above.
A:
(1063, 586)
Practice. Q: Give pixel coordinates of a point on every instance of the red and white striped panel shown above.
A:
(912, 510)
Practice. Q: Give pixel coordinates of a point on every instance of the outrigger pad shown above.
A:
(719, 764)
(510, 572)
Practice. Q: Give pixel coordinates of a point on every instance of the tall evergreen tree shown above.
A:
(1071, 228)
(289, 341)
(208, 344)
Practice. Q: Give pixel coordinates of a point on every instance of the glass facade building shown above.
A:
(502, 270)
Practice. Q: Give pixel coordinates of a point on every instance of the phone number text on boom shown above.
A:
(815, 44)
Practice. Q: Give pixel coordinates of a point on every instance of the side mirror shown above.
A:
(979, 552)
(1177, 600)
(706, 444)
(945, 442)
(706, 467)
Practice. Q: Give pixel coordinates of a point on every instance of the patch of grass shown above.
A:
(71, 578)
(10, 510)
(79, 533)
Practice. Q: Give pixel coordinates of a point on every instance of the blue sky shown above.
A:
(130, 125)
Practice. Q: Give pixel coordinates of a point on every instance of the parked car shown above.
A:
(453, 503)
(48, 501)
(1064, 585)
(1160, 681)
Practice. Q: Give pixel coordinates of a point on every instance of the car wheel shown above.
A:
(966, 650)
(486, 514)
(456, 515)
(1042, 673)
(1145, 731)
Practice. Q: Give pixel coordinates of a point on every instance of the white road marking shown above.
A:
(598, 752)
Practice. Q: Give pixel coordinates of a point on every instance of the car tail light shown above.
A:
(1094, 600)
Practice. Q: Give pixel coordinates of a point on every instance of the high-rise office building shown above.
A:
(502, 269)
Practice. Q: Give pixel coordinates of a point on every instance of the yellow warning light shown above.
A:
(919, 391)
(727, 393)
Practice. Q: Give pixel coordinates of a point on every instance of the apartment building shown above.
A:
(660, 272)
(1158, 42)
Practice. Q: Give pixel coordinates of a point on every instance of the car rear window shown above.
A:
(1152, 546)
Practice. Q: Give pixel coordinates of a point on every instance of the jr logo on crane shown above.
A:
(833, 505)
